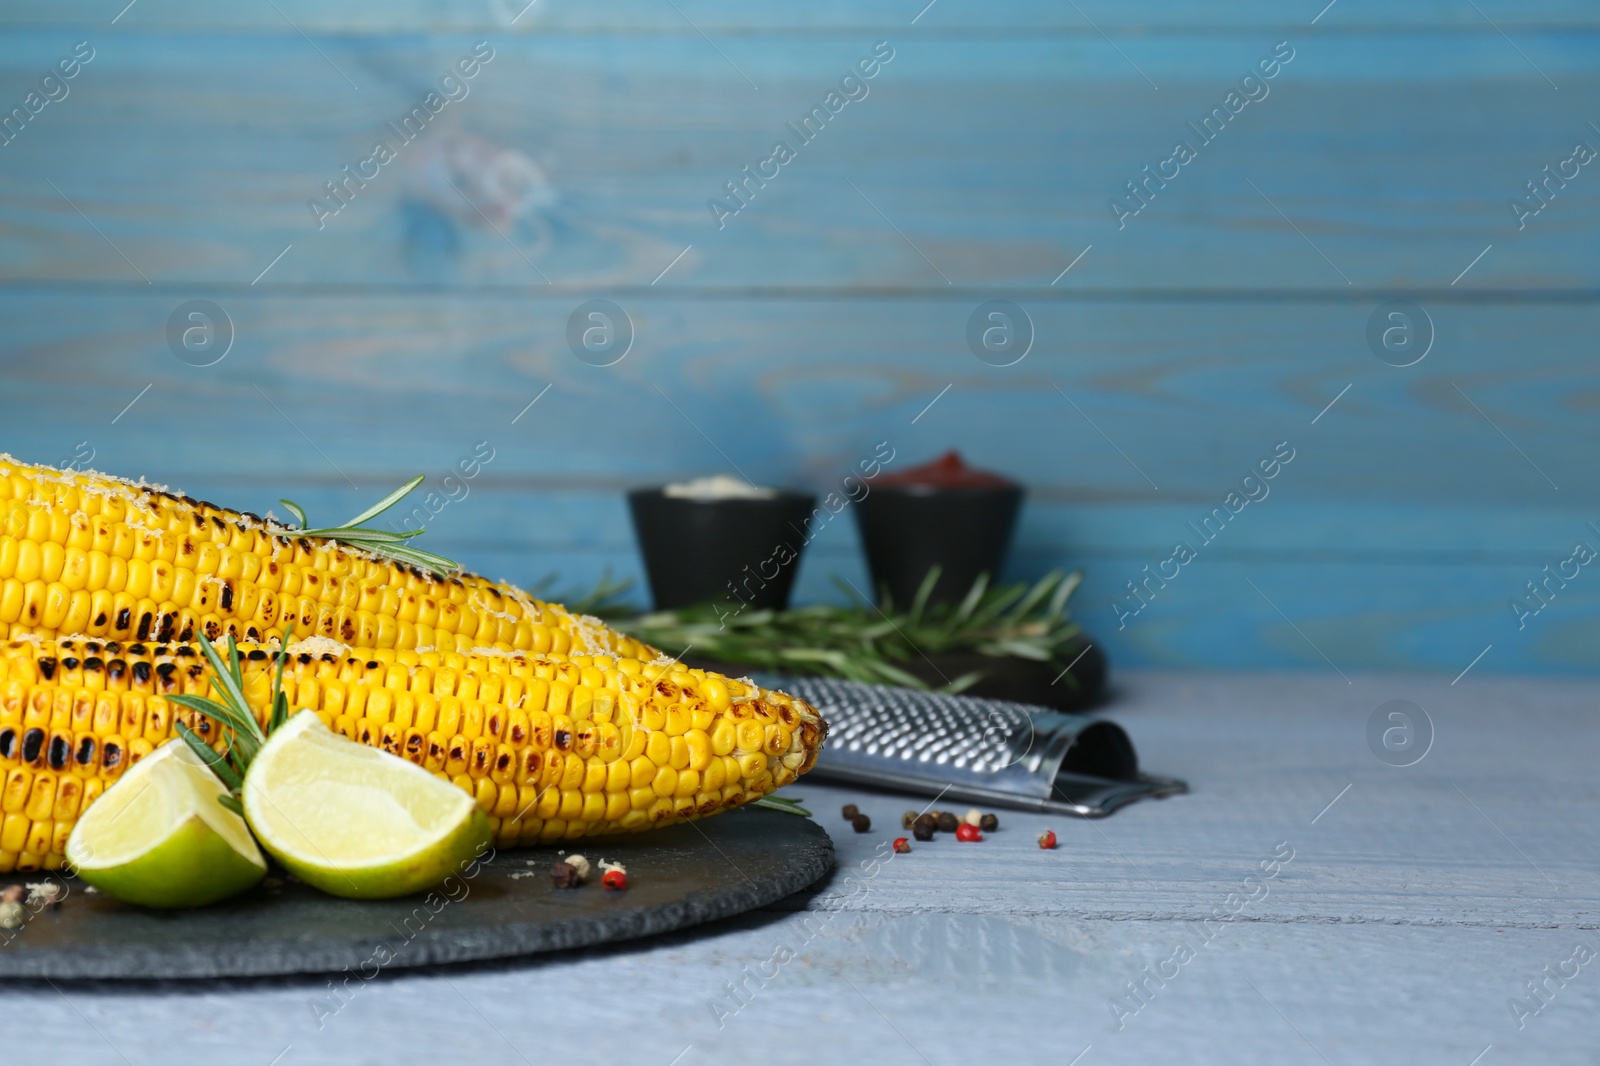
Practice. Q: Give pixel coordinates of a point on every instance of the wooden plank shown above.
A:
(1397, 537)
(988, 161)
(1398, 931)
(1193, 394)
(726, 16)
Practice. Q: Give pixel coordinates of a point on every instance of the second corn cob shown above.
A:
(550, 746)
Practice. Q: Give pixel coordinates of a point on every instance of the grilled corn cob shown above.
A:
(89, 554)
(550, 746)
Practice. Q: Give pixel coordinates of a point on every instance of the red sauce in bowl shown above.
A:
(949, 471)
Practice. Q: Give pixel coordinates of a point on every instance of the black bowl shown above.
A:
(739, 550)
(908, 529)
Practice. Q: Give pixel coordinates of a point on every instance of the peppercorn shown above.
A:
(564, 875)
(968, 833)
(948, 822)
(988, 823)
(902, 846)
(861, 823)
(928, 822)
(972, 817)
(615, 880)
(922, 832)
(908, 819)
(849, 811)
(1047, 839)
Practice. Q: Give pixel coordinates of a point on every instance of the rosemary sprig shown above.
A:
(381, 542)
(782, 803)
(245, 735)
(860, 642)
(605, 599)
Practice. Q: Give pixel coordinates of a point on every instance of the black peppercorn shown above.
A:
(565, 875)
(948, 822)
(989, 823)
(850, 811)
(926, 821)
(861, 823)
(922, 832)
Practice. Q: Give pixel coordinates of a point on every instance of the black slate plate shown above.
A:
(677, 877)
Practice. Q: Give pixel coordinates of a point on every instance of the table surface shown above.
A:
(1418, 905)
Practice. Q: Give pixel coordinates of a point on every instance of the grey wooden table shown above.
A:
(1396, 915)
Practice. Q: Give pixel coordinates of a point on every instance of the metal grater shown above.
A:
(991, 751)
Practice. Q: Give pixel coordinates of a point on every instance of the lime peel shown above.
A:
(356, 821)
(161, 837)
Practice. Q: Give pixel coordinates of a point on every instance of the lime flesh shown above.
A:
(160, 837)
(355, 821)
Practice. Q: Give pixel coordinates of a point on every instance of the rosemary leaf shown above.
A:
(781, 803)
(384, 543)
(218, 762)
(863, 642)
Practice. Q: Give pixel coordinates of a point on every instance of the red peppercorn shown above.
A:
(902, 846)
(1047, 839)
(968, 833)
(615, 880)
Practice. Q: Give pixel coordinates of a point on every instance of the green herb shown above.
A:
(245, 735)
(861, 642)
(381, 542)
(781, 803)
(605, 599)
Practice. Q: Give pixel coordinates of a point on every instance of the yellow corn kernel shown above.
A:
(658, 749)
(698, 745)
(751, 736)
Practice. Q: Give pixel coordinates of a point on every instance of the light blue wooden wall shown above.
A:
(829, 312)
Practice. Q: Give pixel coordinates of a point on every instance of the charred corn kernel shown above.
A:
(76, 712)
(776, 740)
(62, 532)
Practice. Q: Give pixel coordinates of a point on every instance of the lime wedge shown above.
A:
(161, 838)
(355, 821)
